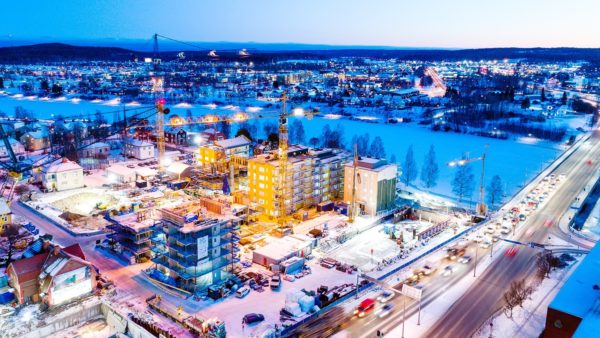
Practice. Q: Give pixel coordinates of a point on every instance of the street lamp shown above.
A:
(481, 207)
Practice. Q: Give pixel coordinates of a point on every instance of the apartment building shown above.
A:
(312, 176)
(200, 249)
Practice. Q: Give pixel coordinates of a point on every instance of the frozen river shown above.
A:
(515, 160)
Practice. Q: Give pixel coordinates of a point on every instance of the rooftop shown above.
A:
(577, 296)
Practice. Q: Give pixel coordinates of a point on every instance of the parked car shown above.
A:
(252, 318)
(242, 292)
(275, 282)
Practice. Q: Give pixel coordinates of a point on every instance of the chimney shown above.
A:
(56, 250)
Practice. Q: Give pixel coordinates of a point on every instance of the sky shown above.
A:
(401, 23)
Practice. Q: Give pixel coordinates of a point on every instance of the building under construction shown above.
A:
(201, 246)
(312, 176)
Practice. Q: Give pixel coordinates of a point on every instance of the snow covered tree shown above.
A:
(409, 170)
(495, 191)
(269, 128)
(464, 181)
(430, 170)
(297, 134)
(377, 150)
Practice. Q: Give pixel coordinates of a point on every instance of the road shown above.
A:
(485, 295)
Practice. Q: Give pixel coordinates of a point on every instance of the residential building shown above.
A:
(117, 173)
(5, 215)
(237, 149)
(575, 310)
(95, 150)
(200, 249)
(17, 147)
(138, 149)
(62, 175)
(36, 140)
(176, 135)
(54, 277)
(375, 185)
(312, 176)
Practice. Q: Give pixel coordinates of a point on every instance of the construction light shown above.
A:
(298, 111)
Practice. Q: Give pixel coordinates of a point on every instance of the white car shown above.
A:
(464, 259)
(448, 270)
(242, 292)
(385, 310)
(484, 244)
(385, 296)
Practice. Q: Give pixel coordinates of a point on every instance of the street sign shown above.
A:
(411, 291)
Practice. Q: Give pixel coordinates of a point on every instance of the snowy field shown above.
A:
(515, 160)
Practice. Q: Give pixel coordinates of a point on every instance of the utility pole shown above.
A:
(476, 252)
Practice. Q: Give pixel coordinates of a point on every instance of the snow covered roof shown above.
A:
(235, 142)
(577, 296)
(145, 171)
(177, 167)
(120, 170)
(138, 143)
(63, 166)
(282, 247)
(98, 145)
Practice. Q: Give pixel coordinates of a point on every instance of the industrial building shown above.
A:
(374, 186)
(200, 249)
(312, 176)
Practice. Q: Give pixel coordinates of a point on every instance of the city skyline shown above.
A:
(459, 24)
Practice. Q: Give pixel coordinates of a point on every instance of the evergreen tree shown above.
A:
(409, 170)
(563, 100)
(430, 170)
(495, 191)
(377, 149)
(1, 82)
(464, 181)
(543, 95)
(525, 104)
(393, 158)
(296, 131)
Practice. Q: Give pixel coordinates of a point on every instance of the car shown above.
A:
(522, 217)
(242, 292)
(289, 278)
(275, 282)
(252, 318)
(454, 253)
(485, 244)
(365, 307)
(448, 270)
(505, 230)
(385, 310)
(465, 259)
(130, 166)
(490, 229)
(385, 296)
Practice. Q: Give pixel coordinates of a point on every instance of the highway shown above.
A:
(484, 297)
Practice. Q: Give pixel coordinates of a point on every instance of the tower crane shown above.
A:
(481, 206)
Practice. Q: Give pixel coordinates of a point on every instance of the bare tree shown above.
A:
(516, 295)
(13, 234)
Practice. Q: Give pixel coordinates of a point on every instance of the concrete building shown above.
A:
(375, 185)
(62, 175)
(133, 233)
(138, 149)
(312, 176)
(575, 310)
(200, 249)
(55, 276)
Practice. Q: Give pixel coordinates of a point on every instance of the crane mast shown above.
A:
(283, 157)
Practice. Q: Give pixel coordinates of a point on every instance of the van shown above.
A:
(242, 292)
